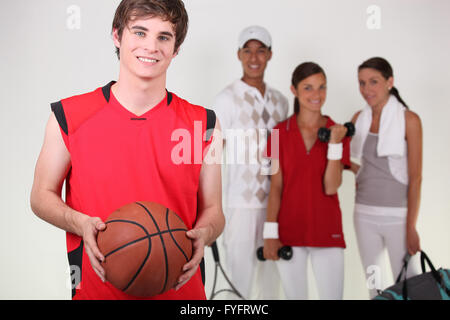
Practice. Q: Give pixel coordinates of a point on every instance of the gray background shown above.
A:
(43, 60)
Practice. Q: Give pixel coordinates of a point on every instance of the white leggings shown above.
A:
(328, 268)
(375, 234)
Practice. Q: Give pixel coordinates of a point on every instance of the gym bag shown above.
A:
(433, 285)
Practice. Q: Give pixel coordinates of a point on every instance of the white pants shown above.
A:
(375, 234)
(328, 268)
(241, 237)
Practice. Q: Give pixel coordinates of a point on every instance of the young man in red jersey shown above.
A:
(115, 145)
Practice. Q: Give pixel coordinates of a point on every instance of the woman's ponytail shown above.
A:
(395, 93)
(296, 106)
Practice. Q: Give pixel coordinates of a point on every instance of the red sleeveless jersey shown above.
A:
(118, 158)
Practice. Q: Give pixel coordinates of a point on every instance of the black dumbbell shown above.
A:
(324, 133)
(284, 253)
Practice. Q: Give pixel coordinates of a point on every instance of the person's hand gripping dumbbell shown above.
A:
(335, 132)
(334, 135)
(284, 252)
(273, 248)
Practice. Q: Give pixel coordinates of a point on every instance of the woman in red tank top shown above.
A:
(303, 209)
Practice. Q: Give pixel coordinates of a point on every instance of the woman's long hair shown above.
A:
(383, 66)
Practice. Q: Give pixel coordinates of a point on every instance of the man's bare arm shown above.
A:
(51, 170)
(210, 217)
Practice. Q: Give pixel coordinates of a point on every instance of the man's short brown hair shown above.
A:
(168, 10)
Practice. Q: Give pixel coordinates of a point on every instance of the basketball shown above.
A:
(145, 248)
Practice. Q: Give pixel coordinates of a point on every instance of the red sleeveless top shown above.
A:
(118, 158)
(307, 216)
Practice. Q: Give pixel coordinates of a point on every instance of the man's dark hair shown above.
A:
(168, 10)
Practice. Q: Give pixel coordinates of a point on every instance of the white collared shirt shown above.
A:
(246, 117)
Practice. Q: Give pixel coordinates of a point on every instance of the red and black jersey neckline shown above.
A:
(107, 92)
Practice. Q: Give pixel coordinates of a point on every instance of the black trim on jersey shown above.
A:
(210, 123)
(58, 110)
(75, 263)
(202, 270)
(107, 90)
(169, 97)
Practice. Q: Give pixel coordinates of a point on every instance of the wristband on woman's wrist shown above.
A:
(335, 151)
(270, 230)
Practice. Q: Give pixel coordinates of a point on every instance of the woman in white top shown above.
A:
(388, 147)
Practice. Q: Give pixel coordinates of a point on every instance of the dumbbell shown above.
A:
(284, 253)
(324, 134)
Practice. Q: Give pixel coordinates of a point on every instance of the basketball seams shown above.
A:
(162, 243)
(129, 243)
(176, 215)
(148, 236)
(139, 270)
(173, 238)
(148, 250)
(172, 241)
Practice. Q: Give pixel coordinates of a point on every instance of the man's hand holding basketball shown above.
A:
(90, 227)
(198, 237)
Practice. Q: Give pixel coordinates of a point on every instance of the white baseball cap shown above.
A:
(255, 33)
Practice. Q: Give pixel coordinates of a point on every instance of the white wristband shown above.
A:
(270, 230)
(335, 151)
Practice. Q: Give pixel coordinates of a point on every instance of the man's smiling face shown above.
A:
(146, 47)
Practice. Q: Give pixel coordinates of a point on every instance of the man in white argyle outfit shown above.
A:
(247, 110)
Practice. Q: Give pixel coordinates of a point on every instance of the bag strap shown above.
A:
(423, 258)
(436, 275)
(404, 268)
(403, 273)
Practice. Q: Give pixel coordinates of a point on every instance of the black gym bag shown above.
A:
(433, 285)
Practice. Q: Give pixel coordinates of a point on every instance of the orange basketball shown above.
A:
(145, 248)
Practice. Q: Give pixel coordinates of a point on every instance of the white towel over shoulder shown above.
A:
(391, 135)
